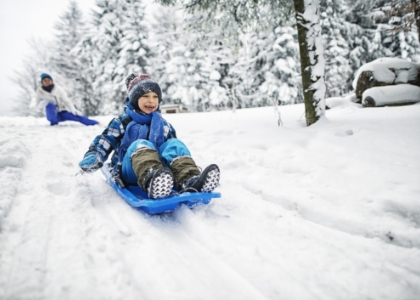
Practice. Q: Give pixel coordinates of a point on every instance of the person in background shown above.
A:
(146, 150)
(58, 107)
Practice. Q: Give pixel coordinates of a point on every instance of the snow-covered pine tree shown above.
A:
(244, 75)
(393, 32)
(284, 67)
(94, 54)
(195, 76)
(92, 96)
(358, 12)
(248, 15)
(115, 45)
(134, 51)
(71, 69)
(364, 42)
(268, 68)
(415, 5)
(372, 33)
(190, 73)
(361, 48)
(27, 78)
(338, 70)
(100, 46)
(165, 35)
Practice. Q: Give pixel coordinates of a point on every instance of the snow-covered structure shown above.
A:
(387, 81)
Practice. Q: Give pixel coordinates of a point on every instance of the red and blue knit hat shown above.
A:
(139, 86)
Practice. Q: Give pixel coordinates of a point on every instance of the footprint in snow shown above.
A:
(344, 133)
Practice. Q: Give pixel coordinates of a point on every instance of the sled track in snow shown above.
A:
(253, 243)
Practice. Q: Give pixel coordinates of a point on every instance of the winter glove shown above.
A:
(91, 162)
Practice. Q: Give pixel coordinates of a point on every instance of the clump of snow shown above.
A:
(329, 211)
(381, 70)
(383, 95)
(384, 75)
(347, 100)
(402, 77)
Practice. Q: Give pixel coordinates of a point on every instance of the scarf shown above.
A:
(139, 127)
(48, 88)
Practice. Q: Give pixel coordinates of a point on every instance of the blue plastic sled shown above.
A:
(137, 198)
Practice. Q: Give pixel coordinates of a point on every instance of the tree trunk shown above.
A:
(416, 5)
(311, 58)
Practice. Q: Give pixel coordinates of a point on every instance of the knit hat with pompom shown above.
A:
(139, 86)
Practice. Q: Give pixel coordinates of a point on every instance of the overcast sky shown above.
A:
(19, 21)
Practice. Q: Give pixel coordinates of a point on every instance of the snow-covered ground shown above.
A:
(330, 211)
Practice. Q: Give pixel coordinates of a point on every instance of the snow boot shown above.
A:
(183, 168)
(158, 183)
(206, 182)
(152, 177)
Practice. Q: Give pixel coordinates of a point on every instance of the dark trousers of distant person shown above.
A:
(55, 116)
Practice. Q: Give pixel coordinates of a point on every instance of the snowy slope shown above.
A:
(326, 212)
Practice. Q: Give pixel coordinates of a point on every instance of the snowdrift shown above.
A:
(329, 211)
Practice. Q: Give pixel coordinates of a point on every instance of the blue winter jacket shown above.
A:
(110, 139)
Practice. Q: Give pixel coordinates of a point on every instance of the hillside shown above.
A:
(329, 211)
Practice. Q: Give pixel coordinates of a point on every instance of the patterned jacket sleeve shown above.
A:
(171, 133)
(109, 140)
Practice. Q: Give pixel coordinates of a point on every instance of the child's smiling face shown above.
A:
(149, 102)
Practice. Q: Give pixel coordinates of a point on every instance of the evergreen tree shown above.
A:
(362, 35)
(27, 78)
(396, 35)
(93, 96)
(284, 67)
(166, 37)
(133, 52)
(70, 68)
(358, 12)
(268, 68)
(190, 74)
(415, 6)
(379, 29)
(249, 14)
(195, 76)
(338, 70)
(115, 45)
(100, 46)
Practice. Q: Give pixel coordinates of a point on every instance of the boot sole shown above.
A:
(212, 180)
(161, 184)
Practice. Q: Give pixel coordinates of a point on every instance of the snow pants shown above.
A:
(143, 155)
(55, 116)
